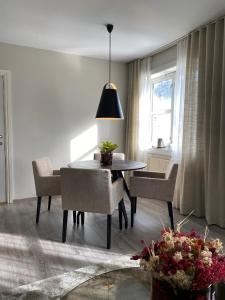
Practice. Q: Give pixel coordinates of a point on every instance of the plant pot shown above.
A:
(106, 158)
(163, 291)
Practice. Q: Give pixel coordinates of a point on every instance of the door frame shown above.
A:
(6, 74)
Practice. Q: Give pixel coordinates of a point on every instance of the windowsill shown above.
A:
(165, 153)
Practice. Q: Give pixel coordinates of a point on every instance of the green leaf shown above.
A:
(107, 146)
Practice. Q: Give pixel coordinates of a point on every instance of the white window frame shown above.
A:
(156, 78)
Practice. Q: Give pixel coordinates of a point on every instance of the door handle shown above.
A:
(1, 136)
(1, 143)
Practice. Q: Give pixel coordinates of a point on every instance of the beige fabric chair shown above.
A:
(90, 191)
(154, 185)
(47, 181)
(116, 156)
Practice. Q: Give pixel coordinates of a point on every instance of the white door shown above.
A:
(2, 145)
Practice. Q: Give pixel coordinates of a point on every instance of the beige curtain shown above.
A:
(132, 115)
(202, 169)
(138, 109)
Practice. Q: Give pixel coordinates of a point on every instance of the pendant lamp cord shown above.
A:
(109, 59)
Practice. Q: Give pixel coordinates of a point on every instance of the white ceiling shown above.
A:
(76, 26)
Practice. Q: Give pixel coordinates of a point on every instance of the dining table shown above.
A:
(117, 168)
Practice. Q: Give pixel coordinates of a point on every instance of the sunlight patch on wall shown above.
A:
(84, 145)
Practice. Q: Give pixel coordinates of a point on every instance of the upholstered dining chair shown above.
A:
(116, 156)
(47, 182)
(90, 190)
(152, 185)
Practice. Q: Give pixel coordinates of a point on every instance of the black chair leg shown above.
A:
(135, 205)
(82, 218)
(170, 210)
(49, 202)
(132, 210)
(74, 216)
(80, 214)
(120, 215)
(65, 217)
(38, 209)
(78, 218)
(109, 221)
(124, 213)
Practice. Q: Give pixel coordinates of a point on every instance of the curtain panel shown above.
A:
(178, 112)
(202, 181)
(138, 109)
(134, 71)
(178, 107)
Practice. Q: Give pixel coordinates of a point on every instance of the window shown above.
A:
(162, 108)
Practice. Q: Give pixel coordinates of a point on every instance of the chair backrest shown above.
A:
(116, 156)
(87, 190)
(171, 172)
(42, 167)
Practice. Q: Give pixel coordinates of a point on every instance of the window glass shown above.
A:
(161, 128)
(162, 95)
(161, 112)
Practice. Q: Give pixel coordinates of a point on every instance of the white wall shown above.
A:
(54, 101)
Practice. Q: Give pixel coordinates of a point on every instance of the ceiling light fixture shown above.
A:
(109, 106)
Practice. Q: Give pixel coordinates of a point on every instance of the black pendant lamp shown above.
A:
(109, 106)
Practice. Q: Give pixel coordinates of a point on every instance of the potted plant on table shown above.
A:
(106, 149)
(183, 265)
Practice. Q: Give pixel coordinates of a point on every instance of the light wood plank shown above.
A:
(30, 252)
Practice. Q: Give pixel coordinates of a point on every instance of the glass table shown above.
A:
(123, 284)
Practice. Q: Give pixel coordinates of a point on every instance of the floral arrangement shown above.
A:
(185, 261)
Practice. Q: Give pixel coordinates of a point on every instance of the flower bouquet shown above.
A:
(183, 265)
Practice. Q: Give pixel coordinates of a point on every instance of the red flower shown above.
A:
(188, 259)
(206, 275)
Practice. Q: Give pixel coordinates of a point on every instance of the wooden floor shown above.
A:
(29, 253)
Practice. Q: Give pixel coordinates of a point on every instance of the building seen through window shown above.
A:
(162, 109)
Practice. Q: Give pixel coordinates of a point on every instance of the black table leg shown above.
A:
(124, 213)
(132, 202)
(120, 175)
(120, 216)
(115, 175)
